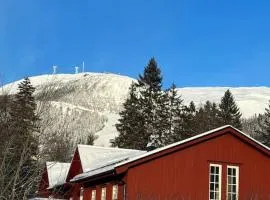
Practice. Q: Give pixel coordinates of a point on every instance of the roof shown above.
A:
(205, 134)
(107, 161)
(93, 157)
(57, 173)
(113, 163)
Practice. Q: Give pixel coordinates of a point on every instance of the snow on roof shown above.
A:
(96, 160)
(57, 173)
(93, 157)
(190, 139)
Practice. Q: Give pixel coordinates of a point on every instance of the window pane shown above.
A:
(234, 180)
(234, 172)
(103, 193)
(115, 192)
(212, 186)
(217, 179)
(212, 195)
(217, 187)
(93, 195)
(212, 170)
(212, 178)
(229, 171)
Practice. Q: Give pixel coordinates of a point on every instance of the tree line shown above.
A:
(154, 117)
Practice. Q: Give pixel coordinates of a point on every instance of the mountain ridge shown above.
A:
(90, 102)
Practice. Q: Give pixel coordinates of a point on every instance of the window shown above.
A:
(232, 182)
(115, 192)
(103, 193)
(81, 194)
(93, 196)
(215, 182)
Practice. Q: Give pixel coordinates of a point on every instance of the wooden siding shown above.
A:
(185, 173)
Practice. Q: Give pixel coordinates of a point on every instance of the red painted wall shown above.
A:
(44, 184)
(185, 174)
(75, 166)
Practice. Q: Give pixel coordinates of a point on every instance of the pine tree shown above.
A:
(141, 122)
(229, 111)
(175, 116)
(24, 141)
(207, 117)
(189, 122)
(264, 127)
(152, 101)
(131, 124)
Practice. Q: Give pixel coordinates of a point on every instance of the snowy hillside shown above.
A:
(87, 103)
(251, 100)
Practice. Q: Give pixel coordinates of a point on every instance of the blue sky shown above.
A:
(196, 42)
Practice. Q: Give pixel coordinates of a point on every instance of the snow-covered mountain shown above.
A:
(90, 102)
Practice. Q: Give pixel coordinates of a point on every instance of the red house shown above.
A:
(53, 180)
(91, 158)
(222, 164)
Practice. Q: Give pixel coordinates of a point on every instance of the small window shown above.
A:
(215, 182)
(115, 192)
(232, 182)
(81, 194)
(93, 196)
(103, 193)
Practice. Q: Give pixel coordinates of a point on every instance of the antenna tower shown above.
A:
(54, 69)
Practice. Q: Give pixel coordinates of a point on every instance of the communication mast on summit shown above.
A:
(54, 69)
(76, 69)
(83, 67)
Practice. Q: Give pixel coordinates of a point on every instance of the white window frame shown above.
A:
(219, 182)
(103, 193)
(94, 194)
(81, 193)
(237, 181)
(115, 192)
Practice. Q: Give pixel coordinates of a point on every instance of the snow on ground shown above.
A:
(109, 131)
(251, 100)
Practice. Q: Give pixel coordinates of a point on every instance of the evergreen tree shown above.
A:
(175, 116)
(189, 122)
(131, 124)
(24, 141)
(264, 127)
(152, 101)
(207, 117)
(229, 111)
(142, 121)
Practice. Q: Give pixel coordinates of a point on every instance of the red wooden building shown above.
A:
(53, 180)
(222, 164)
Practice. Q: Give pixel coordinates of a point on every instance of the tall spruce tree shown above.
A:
(264, 127)
(141, 122)
(152, 100)
(229, 111)
(175, 116)
(24, 142)
(131, 124)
